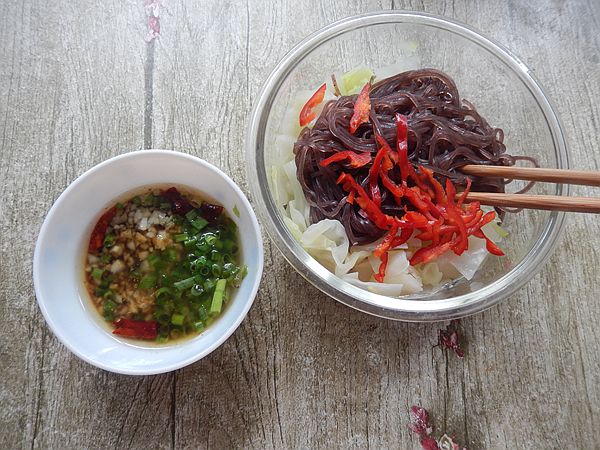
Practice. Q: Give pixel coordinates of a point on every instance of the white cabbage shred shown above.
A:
(327, 242)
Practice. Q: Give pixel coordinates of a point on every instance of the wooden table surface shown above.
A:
(79, 84)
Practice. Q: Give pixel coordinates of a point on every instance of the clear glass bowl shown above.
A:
(495, 81)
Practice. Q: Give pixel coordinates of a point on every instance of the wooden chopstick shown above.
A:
(547, 202)
(587, 178)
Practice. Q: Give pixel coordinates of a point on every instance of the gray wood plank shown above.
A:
(78, 84)
(72, 95)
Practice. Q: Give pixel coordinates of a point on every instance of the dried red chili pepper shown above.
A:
(99, 232)
(307, 114)
(179, 203)
(210, 211)
(356, 159)
(362, 108)
(138, 329)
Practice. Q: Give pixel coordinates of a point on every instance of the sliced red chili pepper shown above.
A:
(427, 254)
(382, 267)
(385, 245)
(442, 229)
(487, 218)
(307, 114)
(440, 195)
(489, 244)
(350, 198)
(464, 194)
(473, 218)
(356, 159)
(405, 235)
(99, 232)
(417, 218)
(362, 199)
(406, 168)
(397, 191)
(362, 108)
(375, 169)
(455, 219)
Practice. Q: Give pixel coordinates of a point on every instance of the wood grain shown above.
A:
(79, 84)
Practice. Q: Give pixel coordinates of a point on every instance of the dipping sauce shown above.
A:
(162, 265)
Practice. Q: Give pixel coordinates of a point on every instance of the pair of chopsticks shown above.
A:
(547, 202)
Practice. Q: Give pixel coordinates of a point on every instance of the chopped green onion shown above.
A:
(191, 242)
(203, 248)
(162, 291)
(191, 215)
(184, 284)
(217, 300)
(109, 240)
(105, 258)
(216, 270)
(108, 310)
(199, 326)
(147, 282)
(210, 238)
(199, 223)
(119, 206)
(177, 319)
(171, 254)
(236, 211)
(153, 258)
(196, 290)
(136, 200)
(181, 237)
(202, 313)
(97, 273)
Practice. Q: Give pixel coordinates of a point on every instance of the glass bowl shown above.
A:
(489, 76)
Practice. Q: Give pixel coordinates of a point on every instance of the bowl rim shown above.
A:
(255, 234)
(402, 308)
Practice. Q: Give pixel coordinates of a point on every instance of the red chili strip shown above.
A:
(440, 195)
(405, 235)
(427, 254)
(373, 212)
(375, 169)
(99, 232)
(464, 194)
(381, 274)
(362, 108)
(138, 329)
(356, 159)
(307, 114)
(489, 244)
(406, 168)
(386, 244)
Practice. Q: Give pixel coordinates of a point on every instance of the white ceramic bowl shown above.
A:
(60, 251)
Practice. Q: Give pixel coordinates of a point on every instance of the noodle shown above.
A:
(444, 134)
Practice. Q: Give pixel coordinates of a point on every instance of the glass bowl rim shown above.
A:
(406, 308)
